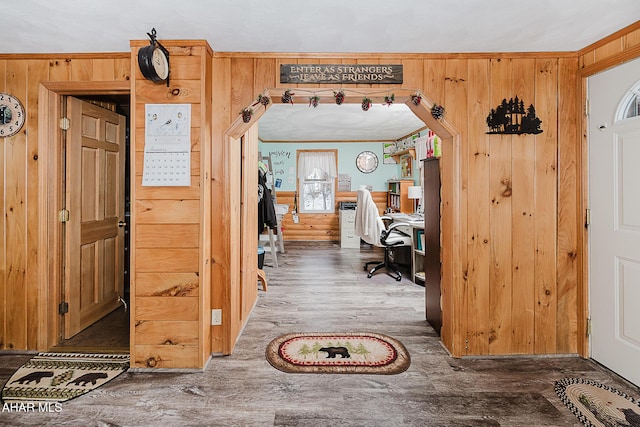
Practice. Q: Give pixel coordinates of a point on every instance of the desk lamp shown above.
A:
(415, 192)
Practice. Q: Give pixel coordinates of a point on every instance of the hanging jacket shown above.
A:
(266, 209)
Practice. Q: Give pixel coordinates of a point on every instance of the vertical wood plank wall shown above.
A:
(520, 221)
(464, 84)
(21, 319)
(170, 288)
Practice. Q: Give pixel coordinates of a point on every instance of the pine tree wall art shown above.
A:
(511, 117)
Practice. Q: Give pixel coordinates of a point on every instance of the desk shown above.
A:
(415, 228)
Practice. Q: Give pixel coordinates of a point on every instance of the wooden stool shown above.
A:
(263, 279)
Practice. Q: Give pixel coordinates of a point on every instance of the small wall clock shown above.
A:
(367, 161)
(153, 60)
(12, 115)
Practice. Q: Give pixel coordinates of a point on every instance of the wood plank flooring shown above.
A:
(320, 287)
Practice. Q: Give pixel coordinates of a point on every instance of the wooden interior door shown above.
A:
(94, 231)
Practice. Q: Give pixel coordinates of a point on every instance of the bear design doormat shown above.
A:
(598, 405)
(57, 377)
(341, 353)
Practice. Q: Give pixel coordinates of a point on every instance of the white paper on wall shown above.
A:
(167, 146)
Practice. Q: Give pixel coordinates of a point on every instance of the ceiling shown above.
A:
(331, 122)
(328, 26)
(34, 26)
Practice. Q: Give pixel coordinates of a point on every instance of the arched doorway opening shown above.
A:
(237, 269)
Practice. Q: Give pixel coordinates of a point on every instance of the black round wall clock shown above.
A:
(367, 161)
(154, 63)
(12, 115)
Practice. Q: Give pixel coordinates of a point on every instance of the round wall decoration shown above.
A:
(153, 60)
(154, 63)
(367, 161)
(12, 115)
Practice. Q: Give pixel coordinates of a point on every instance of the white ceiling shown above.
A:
(32, 26)
(331, 26)
(331, 122)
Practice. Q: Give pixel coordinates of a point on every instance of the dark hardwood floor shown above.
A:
(320, 287)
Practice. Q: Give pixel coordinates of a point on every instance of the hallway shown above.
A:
(322, 288)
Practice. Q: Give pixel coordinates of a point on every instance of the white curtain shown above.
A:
(324, 160)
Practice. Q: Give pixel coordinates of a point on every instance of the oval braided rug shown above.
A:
(598, 405)
(340, 353)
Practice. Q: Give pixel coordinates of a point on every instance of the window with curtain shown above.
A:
(317, 172)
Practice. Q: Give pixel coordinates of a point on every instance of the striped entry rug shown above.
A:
(340, 353)
(58, 377)
(598, 405)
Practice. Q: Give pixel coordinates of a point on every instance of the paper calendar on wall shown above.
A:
(167, 147)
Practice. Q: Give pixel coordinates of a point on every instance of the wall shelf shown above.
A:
(400, 153)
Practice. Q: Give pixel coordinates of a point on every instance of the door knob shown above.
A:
(121, 223)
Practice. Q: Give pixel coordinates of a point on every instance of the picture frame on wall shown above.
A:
(406, 166)
(388, 149)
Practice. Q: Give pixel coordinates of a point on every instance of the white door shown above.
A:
(614, 233)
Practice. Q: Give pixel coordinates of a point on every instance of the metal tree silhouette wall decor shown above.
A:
(510, 117)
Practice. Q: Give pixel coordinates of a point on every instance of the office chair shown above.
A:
(371, 228)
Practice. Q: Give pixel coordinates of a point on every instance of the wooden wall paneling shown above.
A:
(242, 94)
(172, 332)
(631, 39)
(220, 203)
(476, 304)
(180, 298)
(523, 214)
(81, 69)
(122, 69)
(234, 187)
(433, 80)
(180, 92)
(16, 215)
(37, 71)
(167, 211)
(546, 212)
(158, 308)
(3, 228)
(167, 260)
(249, 258)
(413, 71)
(266, 75)
(163, 356)
(60, 70)
(204, 344)
(609, 49)
(168, 235)
(167, 284)
(569, 212)
(168, 193)
(103, 69)
(500, 182)
(454, 171)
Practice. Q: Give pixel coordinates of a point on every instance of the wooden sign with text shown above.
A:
(341, 73)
